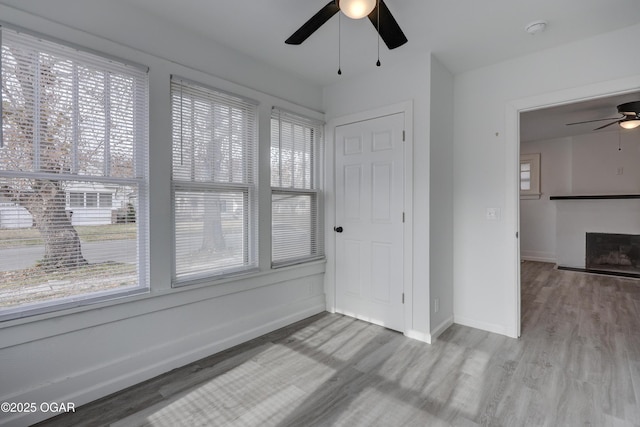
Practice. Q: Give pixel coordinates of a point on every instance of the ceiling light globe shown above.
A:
(630, 123)
(536, 27)
(357, 9)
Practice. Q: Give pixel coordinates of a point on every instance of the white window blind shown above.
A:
(73, 171)
(296, 153)
(214, 181)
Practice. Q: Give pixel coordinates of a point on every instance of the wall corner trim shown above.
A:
(417, 335)
(438, 330)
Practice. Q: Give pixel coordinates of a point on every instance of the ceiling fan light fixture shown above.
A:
(630, 123)
(357, 9)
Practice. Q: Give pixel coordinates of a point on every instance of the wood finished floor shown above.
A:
(577, 363)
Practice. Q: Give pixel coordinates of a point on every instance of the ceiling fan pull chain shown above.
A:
(339, 43)
(378, 7)
(619, 142)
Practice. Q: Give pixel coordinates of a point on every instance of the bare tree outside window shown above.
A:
(68, 133)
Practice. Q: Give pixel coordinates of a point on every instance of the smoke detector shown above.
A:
(536, 27)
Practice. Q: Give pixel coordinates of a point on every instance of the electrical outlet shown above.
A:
(620, 171)
(436, 305)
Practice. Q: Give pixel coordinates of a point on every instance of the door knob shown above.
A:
(337, 229)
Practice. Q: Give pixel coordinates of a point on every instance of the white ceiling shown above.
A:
(463, 34)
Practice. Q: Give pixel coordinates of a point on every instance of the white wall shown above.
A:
(441, 195)
(538, 216)
(583, 164)
(484, 286)
(382, 87)
(597, 160)
(82, 354)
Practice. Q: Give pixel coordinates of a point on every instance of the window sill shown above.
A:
(67, 304)
(216, 278)
(25, 329)
(298, 262)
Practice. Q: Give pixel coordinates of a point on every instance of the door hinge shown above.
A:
(402, 216)
(516, 234)
(403, 297)
(403, 136)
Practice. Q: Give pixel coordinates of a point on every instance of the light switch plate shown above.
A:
(493, 214)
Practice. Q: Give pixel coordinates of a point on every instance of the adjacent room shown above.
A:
(580, 177)
(353, 212)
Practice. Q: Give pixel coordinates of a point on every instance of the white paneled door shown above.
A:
(369, 220)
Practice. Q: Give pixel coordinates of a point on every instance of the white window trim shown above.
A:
(82, 302)
(317, 170)
(250, 188)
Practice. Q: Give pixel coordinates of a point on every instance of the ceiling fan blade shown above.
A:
(591, 121)
(390, 31)
(314, 23)
(607, 125)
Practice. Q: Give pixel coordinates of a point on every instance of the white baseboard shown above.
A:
(417, 335)
(438, 330)
(538, 256)
(429, 338)
(485, 326)
(100, 381)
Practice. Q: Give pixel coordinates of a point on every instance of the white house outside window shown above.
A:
(72, 155)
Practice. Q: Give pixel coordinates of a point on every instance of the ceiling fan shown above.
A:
(630, 117)
(387, 26)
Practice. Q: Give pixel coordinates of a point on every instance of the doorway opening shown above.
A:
(574, 159)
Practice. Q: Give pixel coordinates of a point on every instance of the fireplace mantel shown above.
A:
(597, 197)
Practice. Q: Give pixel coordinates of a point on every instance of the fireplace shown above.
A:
(617, 254)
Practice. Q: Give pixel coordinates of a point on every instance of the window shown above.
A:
(214, 189)
(91, 200)
(105, 200)
(70, 120)
(296, 144)
(530, 176)
(76, 200)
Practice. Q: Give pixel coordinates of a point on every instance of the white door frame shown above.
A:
(330, 202)
(512, 168)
